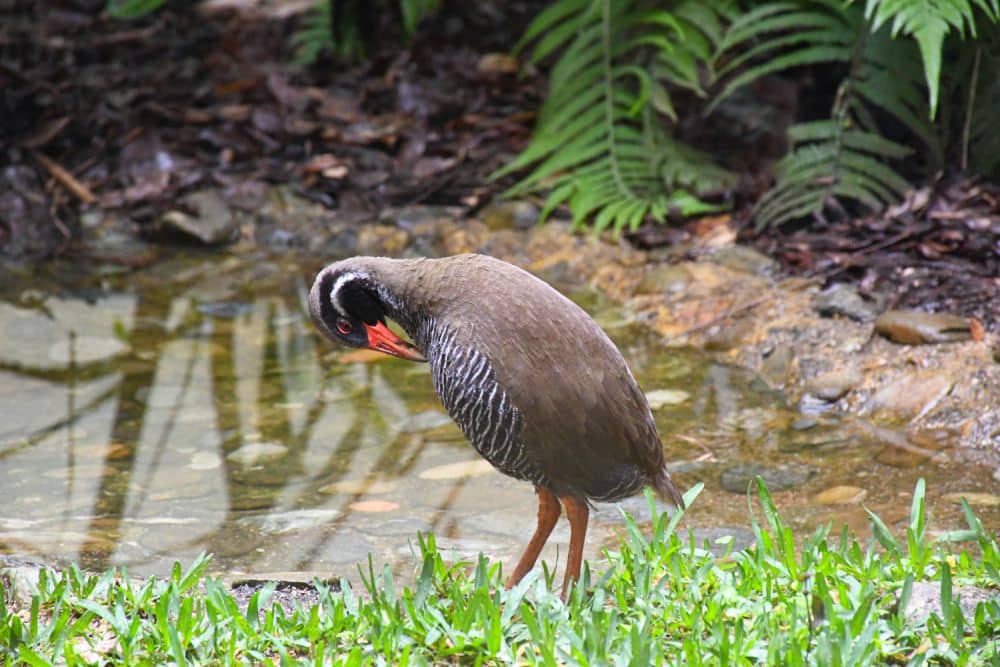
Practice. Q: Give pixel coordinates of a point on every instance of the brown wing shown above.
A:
(587, 424)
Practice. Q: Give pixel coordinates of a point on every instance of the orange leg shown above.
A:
(548, 514)
(578, 513)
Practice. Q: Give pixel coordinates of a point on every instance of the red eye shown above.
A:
(344, 327)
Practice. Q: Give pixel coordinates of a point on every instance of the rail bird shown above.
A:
(532, 381)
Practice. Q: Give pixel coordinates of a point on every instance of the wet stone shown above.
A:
(737, 478)
(913, 327)
(833, 385)
(841, 300)
(212, 224)
(841, 495)
(925, 599)
(20, 585)
(664, 279)
(776, 366)
(510, 215)
(911, 395)
(906, 451)
(804, 423)
(815, 439)
(291, 520)
(729, 335)
(745, 259)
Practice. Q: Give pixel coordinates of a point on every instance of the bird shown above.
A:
(533, 382)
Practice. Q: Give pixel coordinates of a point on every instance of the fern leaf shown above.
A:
(569, 13)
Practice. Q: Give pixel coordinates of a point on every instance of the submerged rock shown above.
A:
(845, 301)
(213, 222)
(911, 395)
(841, 495)
(737, 478)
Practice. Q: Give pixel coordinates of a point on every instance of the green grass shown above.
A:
(662, 599)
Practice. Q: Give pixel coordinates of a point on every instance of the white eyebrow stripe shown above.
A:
(344, 278)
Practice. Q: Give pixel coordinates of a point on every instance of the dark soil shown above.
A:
(104, 114)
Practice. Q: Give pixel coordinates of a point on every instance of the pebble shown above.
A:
(205, 461)
(914, 327)
(841, 495)
(474, 468)
(833, 385)
(258, 452)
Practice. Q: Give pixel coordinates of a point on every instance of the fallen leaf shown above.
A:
(374, 506)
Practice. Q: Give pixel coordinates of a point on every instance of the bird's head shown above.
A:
(346, 305)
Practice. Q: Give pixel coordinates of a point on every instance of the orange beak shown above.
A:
(382, 339)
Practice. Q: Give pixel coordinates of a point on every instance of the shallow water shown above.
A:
(191, 407)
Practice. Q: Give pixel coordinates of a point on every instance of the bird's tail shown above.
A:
(667, 490)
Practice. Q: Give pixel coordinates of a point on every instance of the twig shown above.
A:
(68, 180)
(718, 318)
(708, 454)
(967, 125)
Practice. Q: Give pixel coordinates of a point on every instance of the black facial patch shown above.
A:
(359, 303)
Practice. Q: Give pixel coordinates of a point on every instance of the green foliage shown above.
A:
(340, 32)
(663, 599)
(602, 143)
(847, 157)
(929, 22)
(129, 9)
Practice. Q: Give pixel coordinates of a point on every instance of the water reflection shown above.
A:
(192, 407)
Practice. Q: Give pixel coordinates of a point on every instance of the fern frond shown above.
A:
(928, 22)
(601, 143)
(832, 160)
(783, 35)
